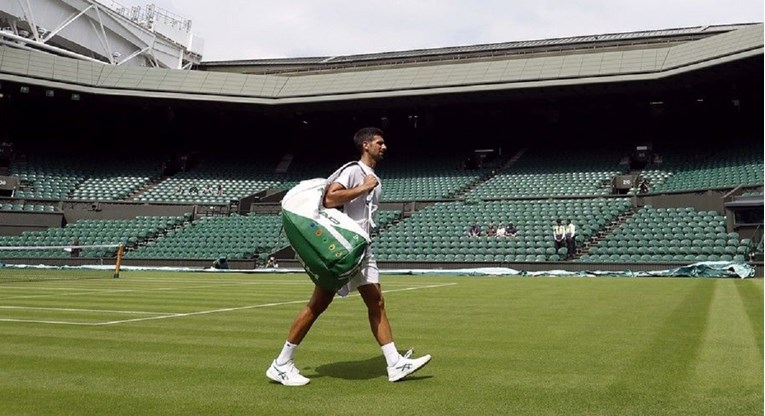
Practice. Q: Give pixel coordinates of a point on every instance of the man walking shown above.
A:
(351, 190)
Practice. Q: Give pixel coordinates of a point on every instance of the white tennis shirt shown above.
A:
(359, 209)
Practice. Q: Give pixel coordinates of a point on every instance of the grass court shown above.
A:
(171, 343)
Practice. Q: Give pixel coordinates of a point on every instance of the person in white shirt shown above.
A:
(501, 230)
(559, 233)
(570, 239)
(351, 190)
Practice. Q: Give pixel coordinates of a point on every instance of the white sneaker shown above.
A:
(286, 374)
(406, 366)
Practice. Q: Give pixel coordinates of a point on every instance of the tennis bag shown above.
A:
(327, 242)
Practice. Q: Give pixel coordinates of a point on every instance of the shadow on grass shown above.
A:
(358, 370)
(354, 370)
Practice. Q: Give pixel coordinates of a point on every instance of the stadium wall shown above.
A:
(74, 211)
(707, 200)
(14, 223)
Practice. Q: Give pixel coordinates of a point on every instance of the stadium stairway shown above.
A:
(601, 235)
(461, 194)
(146, 188)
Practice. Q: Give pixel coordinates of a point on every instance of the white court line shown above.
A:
(178, 315)
(33, 321)
(82, 310)
(77, 291)
(48, 295)
(100, 291)
(48, 288)
(207, 312)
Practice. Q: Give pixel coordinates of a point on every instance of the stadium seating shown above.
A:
(92, 232)
(201, 184)
(573, 184)
(726, 168)
(21, 206)
(234, 237)
(405, 178)
(670, 235)
(544, 173)
(56, 177)
(439, 232)
(116, 180)
(46, 176)
(432, 178)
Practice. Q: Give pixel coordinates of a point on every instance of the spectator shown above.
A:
(220, 190)
(474, 230)
(643, 186)
(220, 263)
(271, 263)
(559, 233)
(501, 230)
(75, 249)
(511, 230)
(570, 239)
(491, 231)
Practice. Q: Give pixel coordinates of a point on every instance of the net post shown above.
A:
(120, 250)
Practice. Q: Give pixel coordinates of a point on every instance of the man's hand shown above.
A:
(370, 182)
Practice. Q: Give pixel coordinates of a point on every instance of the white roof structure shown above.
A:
(101, 31)
(559, 67)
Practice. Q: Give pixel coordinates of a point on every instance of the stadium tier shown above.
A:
(537, 173)
(432, 178)
(541, 173)
(235, 237)
(46, 176)
(14, 206)
(726, 168)
(406, 178)
(670, 235)
(213, 181)
(91, 232)
(57, 177)
(439, 232)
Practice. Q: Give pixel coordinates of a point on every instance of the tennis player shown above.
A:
(350, 191)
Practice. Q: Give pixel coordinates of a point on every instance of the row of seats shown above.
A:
(536, 173)
(47, 176)
(91, 232)
(435, 233)
(727, 168)
(10, 206)
(214, 181)
(543, 173)
(235, 237)
(671, 234)
(441, 229)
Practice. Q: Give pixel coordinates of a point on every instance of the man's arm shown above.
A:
(337, 195)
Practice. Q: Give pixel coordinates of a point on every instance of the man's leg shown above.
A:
(283, 369)
(378, 319)
(398, 366)
(320, 300)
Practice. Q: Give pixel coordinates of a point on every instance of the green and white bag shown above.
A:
(330, 245)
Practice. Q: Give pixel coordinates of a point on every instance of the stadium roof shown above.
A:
(471, 52)
(582, 65)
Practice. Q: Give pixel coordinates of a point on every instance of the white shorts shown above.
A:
(369, 274)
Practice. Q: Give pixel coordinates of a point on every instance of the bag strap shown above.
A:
(367, 198)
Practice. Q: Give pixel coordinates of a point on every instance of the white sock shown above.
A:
(288, 352)
(391, 354)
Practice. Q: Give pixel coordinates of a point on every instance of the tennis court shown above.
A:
(199, 343)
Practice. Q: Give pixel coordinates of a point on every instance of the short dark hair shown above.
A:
(364, 135)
